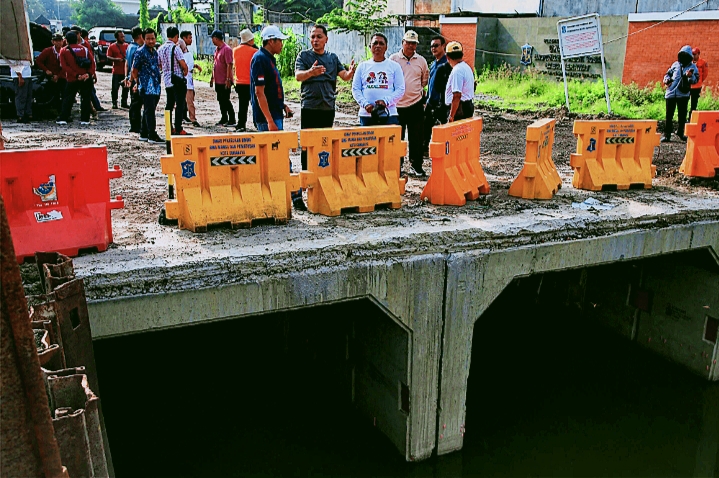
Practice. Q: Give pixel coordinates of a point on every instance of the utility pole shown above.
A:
(217, 14)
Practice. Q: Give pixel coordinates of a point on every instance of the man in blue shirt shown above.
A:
(268, 96)
(135, 98)
(146, 71)
(436, 111)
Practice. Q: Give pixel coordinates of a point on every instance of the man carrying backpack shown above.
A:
(79, 70)
(678, 80)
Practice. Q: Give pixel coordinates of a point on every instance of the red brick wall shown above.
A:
(466, 34)
(650, 53)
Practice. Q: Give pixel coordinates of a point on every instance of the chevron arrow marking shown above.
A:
(359, 152)
(619, 140)
(232, 160)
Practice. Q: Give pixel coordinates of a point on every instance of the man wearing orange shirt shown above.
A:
(696, 90)
(242, 55)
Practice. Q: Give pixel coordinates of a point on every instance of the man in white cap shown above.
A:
(268, 96)
(410, 108)
(243, 58)
(459, 95)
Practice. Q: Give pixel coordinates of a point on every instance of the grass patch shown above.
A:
(530, 90)
(206, 66)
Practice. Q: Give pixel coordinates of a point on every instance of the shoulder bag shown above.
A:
(177, 80)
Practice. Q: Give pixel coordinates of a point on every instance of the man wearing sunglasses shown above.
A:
(436, 111)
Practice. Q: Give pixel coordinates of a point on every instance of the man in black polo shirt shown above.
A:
(268, 96)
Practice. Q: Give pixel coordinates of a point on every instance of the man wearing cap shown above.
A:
(268, 96)
(459, 94)
(318, 70)
(49, 62)
(410, 108)
(222, 79)
(696, 88)
(243, 59)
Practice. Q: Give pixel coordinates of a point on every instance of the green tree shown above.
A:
(306, 8)
(91, 13)
(144, 15)
(362, 16)
(180, 14)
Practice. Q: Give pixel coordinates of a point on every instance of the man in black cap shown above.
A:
(222, 78)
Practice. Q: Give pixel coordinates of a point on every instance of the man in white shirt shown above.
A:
(410, 108)
(22, 82)
(378, 85)
(459, 95)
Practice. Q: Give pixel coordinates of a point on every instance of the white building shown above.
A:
(129, 7)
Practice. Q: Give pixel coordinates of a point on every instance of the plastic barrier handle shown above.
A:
(117, 203)
(115, 172)
(308, 179)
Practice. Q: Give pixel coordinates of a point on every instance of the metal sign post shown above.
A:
(581, 36)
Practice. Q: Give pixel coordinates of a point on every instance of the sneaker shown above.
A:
(186, 120)
(231, 124)
(61, 122)
(417, 173)
(240, 129)
(143, 139)
(221, 123)
(184, 133)
(155, 140)
(114, 107)
(665, 139)
(299, 204)
(84, 123)
(195, 124)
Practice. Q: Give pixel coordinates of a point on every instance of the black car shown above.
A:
(101, 38)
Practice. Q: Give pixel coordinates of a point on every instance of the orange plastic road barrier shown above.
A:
(352, 168)
(231, 178)
(58, 200)
(702, 157)
(539, 178)
(456, 173)
(614, 155)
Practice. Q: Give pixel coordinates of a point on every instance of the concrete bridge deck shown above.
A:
(432, 270)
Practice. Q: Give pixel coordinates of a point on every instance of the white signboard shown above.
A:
(580, 36)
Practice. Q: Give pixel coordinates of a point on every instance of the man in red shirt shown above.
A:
(696, 89)
(116, 54)
(49, 62)
(79, 70)
(222, 79)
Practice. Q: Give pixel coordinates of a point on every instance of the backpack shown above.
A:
(84, 63)
(684, 86)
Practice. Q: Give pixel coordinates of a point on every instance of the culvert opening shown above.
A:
(570, 376)
(299, 393)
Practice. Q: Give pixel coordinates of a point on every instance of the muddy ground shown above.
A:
(143, 186)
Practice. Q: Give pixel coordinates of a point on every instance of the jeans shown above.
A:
(243, 92)
(226, 109)
(71, 90)
(149, 102)
(311, 118)
(23, 97)
(694, 95)
(369, 121)
(176, 97)
(412, 120)
(679, 104)
(136, 123)
(117, 83)
(93, 97)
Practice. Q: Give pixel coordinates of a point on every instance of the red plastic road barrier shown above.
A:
(58, 200)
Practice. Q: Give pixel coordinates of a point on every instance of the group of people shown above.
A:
(684, 80)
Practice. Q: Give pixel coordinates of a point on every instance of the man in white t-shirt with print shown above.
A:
(378, 85)
(459, 95)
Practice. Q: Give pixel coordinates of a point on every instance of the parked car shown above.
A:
(101, 38)
(41, 39)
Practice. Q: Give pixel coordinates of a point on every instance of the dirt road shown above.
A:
(143, 186)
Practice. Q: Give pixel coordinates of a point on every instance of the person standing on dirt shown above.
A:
(146, 72)
(84, 40)
(79, 70)
(22, 84)
(185, 41)
(378, 85)
(696, 90)
(459, 94)
(410, 108)
(49, 63)
(174, 70)
(222, 79)
(268, 95)
(135, 92)
(678, 80)
(242, 54)
(116, 53)
(436, 111)
(317, 69)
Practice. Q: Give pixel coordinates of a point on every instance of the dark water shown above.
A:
(549, 395)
